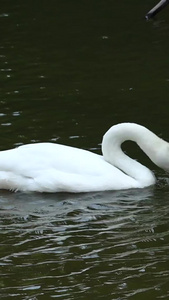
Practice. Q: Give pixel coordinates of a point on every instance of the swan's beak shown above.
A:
(156, 9)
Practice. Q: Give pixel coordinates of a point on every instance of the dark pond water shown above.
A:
(68, 71)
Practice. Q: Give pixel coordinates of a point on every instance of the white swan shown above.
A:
(47, 167)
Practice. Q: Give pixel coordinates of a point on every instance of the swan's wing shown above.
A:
(49, 167)
(56, 181)
(32, 158)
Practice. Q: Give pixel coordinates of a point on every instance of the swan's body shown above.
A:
(47, 167)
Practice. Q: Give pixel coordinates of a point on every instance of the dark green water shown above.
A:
(68, 71)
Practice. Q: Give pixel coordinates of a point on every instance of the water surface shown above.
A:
(111, 245)
(68, 71)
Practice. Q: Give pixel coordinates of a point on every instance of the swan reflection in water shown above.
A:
(156, 9)
(32, 206)
(48, 167)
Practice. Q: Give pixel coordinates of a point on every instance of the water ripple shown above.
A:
(64, 240)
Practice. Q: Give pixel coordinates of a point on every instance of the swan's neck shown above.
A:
(152, 145)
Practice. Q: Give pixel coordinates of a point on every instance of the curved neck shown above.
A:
(147, 141)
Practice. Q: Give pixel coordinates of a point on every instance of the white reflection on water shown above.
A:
(112, 244)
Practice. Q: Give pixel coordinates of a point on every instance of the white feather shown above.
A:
(48, 167)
